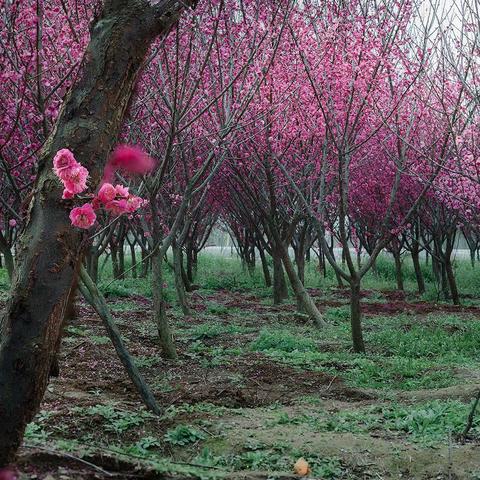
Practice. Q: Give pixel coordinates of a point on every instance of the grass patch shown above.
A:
(212, 330)
(285, 341)
(429, 422)
(404, 352)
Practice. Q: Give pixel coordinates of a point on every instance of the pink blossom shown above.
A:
(122, 191)
(75, 180)
(132, 159)
(134, 203)
(117, 207)
(67, 194)
(12, 222)
(83, 217)
(63, 162)
(107, 193)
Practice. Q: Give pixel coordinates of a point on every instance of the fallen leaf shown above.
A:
(301, 467)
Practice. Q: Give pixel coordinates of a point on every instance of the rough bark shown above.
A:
(190, 264)
(115, 262)
(165, 335)
(145, 263)
(280, 290)
(121, 261)
(133, 256)
(179, 285)
(49, 249)
(186, 281)
(452, 284)
(266, 271)
(418, 271)
(398, 270)
(300, 262)
(304, 301)
(356, 317)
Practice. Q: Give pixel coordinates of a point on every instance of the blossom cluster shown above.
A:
(72, 174)
(116, 200)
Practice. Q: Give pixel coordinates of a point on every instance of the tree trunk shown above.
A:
(179, 285)
(115, 264)
(304, 301)
(121, 260)
(265, 269)
(300, 262)
(308, 253)
(436, 269)
(49, 250)
(133, 256)
(418, 271)
(186, 280)
(92, 263)
(337, 275)
(190, 264)
(322, 267)
(145, 263)
(398, 270)
(165, 335)
(251, 259)
(452, 284)
(356, 317)
(97, 301)
(472, 257)
(444, 279)
(374, 266)
(194, 263)
(280, 290)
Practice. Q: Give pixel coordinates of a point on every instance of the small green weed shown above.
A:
(117, 421)
(183, 435)
(146, 362)
(217, 309)
(99, 339)
(74, 330)
(283, 341)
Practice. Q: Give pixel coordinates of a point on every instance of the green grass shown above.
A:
(218, 272)
(213, 329)
(400, 355)
(124, 306)
(278, 457)
(427, 422)
(116, 420)
(282, 341)
(4, 281)
(183, 435)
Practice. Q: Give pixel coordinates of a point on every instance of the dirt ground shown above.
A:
(244, 393)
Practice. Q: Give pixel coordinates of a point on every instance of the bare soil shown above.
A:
(91, 374)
